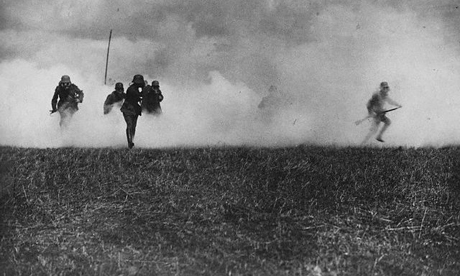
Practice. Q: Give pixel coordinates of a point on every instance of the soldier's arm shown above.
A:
(77, 93)
(392, 102)
(372, 105)
(107, 108)
(160, 96)
(369, 107)
(108, 100)
(54, 100)
(80, 94)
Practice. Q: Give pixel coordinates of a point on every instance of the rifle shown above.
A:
(385, 111)
(379, 113)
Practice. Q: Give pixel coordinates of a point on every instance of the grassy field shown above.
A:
(230, 211)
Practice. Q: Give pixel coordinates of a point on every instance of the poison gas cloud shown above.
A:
(215, 61)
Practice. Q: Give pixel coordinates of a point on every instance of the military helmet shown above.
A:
(138, 79)
(65, 79)
(155, 83)
(118, 86)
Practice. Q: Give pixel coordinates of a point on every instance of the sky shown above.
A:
(215, 61)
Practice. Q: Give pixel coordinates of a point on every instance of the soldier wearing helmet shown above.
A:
(115, 98)
(131, 107)
(376, 109)
(152, 98)
(69, 96)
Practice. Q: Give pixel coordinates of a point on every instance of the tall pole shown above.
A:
(107, 61)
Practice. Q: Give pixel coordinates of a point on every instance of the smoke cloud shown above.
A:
(216, 59)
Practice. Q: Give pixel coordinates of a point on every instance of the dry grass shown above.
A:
(230, 211)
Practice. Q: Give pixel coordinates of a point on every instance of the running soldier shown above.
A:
(115, 98)
(69, 97)
(152, 98)
(375, 107)
(131, 107)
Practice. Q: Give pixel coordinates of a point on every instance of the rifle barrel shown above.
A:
(383, 112)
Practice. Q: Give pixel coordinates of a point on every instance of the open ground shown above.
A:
(302, 210)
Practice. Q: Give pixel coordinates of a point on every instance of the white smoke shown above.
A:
(326, 58)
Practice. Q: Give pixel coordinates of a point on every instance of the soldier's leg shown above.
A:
(373, 129)
(64, 118)
(387, 123)
(129, 126)
(134, 125)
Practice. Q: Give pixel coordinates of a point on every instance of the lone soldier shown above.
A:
(271, 104)
(69, 97)
(375, 107)
(131, 107)
(115, 98)
(152, 98)
(272, 100)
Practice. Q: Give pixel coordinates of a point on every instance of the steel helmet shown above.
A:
(155, 83)
(138, 79)
(65, 79)
(119, 86)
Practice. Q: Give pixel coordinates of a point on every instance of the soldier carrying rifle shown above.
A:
(69, 97)
(375, 107)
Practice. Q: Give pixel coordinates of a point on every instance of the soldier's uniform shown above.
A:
(69, 96)
(116, 97)
(151, 99)
(131, 108)
(375, 107)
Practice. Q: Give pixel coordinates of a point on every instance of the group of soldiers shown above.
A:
(140, 97)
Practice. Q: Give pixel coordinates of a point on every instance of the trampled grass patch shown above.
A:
(230, 211)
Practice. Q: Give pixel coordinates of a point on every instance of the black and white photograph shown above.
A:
(230, 137)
